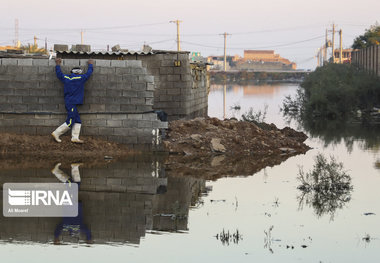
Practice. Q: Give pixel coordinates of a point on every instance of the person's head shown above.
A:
(76, 70)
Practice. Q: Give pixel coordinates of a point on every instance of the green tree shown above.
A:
(371, 37)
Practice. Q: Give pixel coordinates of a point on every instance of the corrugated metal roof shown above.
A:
(106, 53)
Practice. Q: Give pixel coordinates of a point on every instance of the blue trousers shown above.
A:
(72, 115)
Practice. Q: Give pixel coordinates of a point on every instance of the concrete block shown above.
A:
(149, 101)
(121, 131)
(122, 70)
(143, 108)
(34, 107)
(6, 91)
(173, 91)
(102, 63)
(20, 107)
(97, 107)
(131, 124)
(138, 86)
(133, 63)
(119, 116)
(129, 93)
(167, 63)
(50, 107)
(166, 70)
(145, 124)
(99, 78)
(150, 86)
(173, 77)
(106, 131)
(186, 77)
(25, 62)
(46, 70)
(150, 116)
(145, 94)
(130, 79)
(137, 71)
(118, 63)
(9, 61)
(114, 123)
(60, 47)
(13, 99)
(112, 107)
(128, 108)
(113, 93)
(51, 62)
(137, 101)
(71, 62)
(54, 93)
(101, 123)
(123, 100)
(40, 62)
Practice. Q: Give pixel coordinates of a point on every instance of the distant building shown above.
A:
(346, 55)
(256, 60)
(264, 60)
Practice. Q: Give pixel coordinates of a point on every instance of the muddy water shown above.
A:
(140, 212)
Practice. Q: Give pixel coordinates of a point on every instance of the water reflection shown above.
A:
(119, 202)
(327, 188)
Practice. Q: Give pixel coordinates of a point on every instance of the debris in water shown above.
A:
(369, 214)
(106, 157)
(303, 246)
(221, 200)
(367, 238)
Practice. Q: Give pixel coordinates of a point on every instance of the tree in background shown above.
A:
(371, 37)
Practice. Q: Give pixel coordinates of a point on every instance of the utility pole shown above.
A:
(340, 47)
(81, 37)
(225, 34)
(46, 44)
(325, 48)
(35, 41)
(333, 43)
(178, 37)
(17, 41)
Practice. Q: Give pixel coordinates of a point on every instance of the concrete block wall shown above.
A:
(367, 59)
(180, 91)
(118, 100)
(176, 91)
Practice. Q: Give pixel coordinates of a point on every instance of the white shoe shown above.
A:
(75, 172)
(75, 133)
(61, 176)
(59, 131)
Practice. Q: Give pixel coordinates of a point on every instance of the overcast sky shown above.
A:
(293, 28)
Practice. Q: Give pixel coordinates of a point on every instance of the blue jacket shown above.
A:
(73, 85)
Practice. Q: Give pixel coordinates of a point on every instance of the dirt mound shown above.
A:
(211, 148)
(202, 137)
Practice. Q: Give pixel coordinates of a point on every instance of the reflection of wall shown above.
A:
(182, 193)
(119, 202)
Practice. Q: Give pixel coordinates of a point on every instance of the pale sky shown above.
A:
(295, 29)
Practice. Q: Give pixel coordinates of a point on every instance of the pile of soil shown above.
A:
(210, 148)
(203, 137)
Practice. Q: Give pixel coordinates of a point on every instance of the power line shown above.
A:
(262, 47)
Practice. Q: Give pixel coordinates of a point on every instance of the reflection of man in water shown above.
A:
(72, 225)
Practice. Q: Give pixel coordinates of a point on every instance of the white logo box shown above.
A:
(40, 200)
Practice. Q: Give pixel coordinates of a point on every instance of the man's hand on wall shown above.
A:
(90, 61)
(58, 61)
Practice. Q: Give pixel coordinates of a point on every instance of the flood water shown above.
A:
(138, 211)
